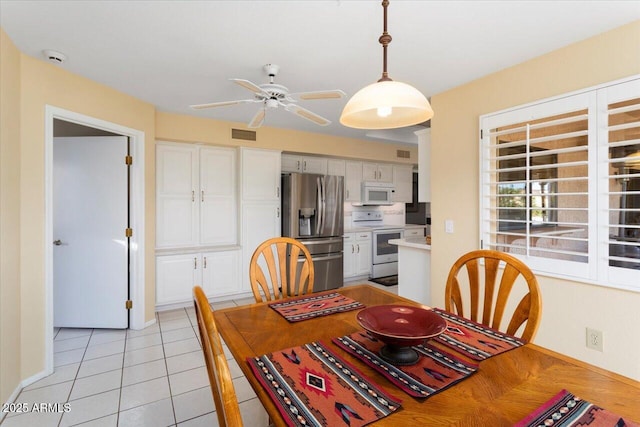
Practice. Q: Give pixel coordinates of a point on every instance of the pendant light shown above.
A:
(386, 104)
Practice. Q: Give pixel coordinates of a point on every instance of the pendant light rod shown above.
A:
(384, 40)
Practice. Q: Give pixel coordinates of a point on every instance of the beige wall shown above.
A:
(569, 307)
(46, 84)
(9, 217)
(181, 128)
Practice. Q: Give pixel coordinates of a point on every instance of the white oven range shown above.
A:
(384, 255)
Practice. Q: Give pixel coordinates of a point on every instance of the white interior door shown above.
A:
(90, 255)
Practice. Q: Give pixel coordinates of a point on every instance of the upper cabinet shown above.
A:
(260, 174)
(352, 181)
(355, 172)
(196, 191)
(381, 172)
(336, 167)
(304, 164)
(403, 183)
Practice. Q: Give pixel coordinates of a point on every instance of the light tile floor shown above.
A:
(153, 377)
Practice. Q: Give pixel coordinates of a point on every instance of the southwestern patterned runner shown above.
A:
(308, 307)
(313, 387)
(434, 371)
(567, 410)
(476, 341)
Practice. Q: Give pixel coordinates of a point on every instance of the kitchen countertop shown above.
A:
(411, 242)
(382, 227)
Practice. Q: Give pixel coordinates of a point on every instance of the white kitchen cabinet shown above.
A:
(218, 202)
(260, 174)
(336, 167)
(260, 221)
(304, 164)
(176, 275)
(221, 273)
(176, 181)
(196, 191)
(381, 172)
(260, 202)
(403, 183)
(357, 254)
(352, 181)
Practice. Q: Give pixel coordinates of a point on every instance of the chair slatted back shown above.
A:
(528, 309)
(287, 274)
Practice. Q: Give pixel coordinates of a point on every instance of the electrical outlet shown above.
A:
(594, 339)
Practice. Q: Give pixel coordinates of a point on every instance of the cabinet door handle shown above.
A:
(193, 195)
(353, 249)
(278, 192)
(202, 196)
(195, 263)
(204, 262)
(358, 245)
(298, 165)
(277, 212)
(304, 166)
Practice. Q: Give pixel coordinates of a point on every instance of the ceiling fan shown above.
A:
(272, 95)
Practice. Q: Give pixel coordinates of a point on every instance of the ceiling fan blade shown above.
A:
(306, 114)
(320, 94)
(258, 119)
(249, 86)
(221, 104)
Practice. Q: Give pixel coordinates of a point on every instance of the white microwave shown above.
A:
(377, 193)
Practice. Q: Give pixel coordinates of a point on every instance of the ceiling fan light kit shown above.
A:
(386, 104)
(272, 95)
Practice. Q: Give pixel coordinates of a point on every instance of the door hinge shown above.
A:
(128, 160)
(128, 232)
(128, 304)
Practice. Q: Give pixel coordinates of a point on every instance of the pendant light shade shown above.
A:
(386, 104)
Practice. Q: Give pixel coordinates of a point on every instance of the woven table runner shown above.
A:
(311, 386)
(310, 306)
(434, 371)
(567, 410)
(474, 340)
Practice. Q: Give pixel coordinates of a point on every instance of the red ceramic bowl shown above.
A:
(401, 325)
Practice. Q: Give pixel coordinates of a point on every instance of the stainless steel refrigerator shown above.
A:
(312, 212)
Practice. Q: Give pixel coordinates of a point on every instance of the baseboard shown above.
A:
(24, 383)
(220, 298)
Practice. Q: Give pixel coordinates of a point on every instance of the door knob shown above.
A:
(57, 242)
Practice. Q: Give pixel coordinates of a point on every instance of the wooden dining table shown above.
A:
(505, 389)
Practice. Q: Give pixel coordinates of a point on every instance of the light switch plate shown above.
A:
(448, 226)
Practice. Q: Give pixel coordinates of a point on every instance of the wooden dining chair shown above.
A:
(529, 308)
(224, 394)
(286, 273)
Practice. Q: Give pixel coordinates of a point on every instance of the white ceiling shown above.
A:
(176, 53)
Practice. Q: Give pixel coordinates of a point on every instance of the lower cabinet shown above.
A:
(357, 254)
(176, 275)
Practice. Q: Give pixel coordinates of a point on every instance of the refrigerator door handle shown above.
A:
(323, 206)
(318, 205)
(322, 258)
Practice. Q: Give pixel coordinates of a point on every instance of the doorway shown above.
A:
(136, 258)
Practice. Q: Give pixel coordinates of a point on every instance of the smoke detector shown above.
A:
(54, 56)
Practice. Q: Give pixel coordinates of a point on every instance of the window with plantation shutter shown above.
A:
(560, 184)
